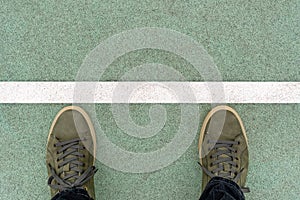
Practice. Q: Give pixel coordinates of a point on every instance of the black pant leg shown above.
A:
(222, 189)
(75, 194)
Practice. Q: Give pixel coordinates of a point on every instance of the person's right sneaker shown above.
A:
(70, 158)
(223, 147)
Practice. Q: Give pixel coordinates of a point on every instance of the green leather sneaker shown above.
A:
(71, 150)
(223, 147)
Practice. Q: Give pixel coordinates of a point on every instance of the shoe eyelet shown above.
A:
(211, 165)
(239, 142)
(237, 166)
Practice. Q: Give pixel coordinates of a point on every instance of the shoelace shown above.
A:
(70, 148)
(225, 148)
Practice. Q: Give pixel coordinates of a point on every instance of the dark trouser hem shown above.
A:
(222, 189)
(75, 194)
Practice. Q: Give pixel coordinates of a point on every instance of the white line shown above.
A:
(149, 92)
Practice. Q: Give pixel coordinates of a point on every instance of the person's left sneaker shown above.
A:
(71, 150)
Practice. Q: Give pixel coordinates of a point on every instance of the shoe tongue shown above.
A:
(66, 168)
(69, 167)
(67, 171)
(226, 167)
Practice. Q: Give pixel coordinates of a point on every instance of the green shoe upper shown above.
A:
(223, 147)
(70, 148)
